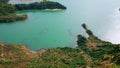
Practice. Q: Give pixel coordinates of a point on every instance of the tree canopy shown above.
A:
(4, 1)
(6, 9)
(40, 6)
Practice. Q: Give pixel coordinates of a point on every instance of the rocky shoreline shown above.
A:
(90, 53)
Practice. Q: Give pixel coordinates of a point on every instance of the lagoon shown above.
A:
(59, 28)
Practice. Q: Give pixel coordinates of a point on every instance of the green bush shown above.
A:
(89, 32)
(81, 40)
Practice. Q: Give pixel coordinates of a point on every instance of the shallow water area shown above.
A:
(59, 28)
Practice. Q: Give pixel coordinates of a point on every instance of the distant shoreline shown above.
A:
(44, 5)
(11, 16)
(23, 1)
(53, 9)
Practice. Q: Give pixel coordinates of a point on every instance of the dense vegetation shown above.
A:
(90, 53)
(40, 6)
(8, 11)
(4, 1)
(102, 53)
(12, 18)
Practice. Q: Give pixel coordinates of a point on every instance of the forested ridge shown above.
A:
(8, 12)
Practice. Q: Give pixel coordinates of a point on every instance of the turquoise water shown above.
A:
(48, 29)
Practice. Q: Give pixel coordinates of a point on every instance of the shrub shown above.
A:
(81, 40)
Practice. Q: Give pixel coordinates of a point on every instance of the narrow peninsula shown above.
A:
(91, 52)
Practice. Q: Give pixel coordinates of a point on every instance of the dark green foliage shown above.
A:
(40, 6)
(115, 50)
(116, 59)
(81, 40)
(4, 1)
(6, 9)
(5, 63)
(84, 26)
(12, 18)
(8, 13)
(89, 32)
(97, 54)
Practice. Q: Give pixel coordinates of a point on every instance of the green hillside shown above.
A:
(90, 53)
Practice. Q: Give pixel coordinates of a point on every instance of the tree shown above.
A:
(81, 40)
(6, 9)
(89, 32)
(84, 26)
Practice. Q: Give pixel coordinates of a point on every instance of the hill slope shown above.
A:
(90, 53)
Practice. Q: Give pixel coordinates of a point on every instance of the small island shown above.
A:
(40, 6)
(8, 12)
